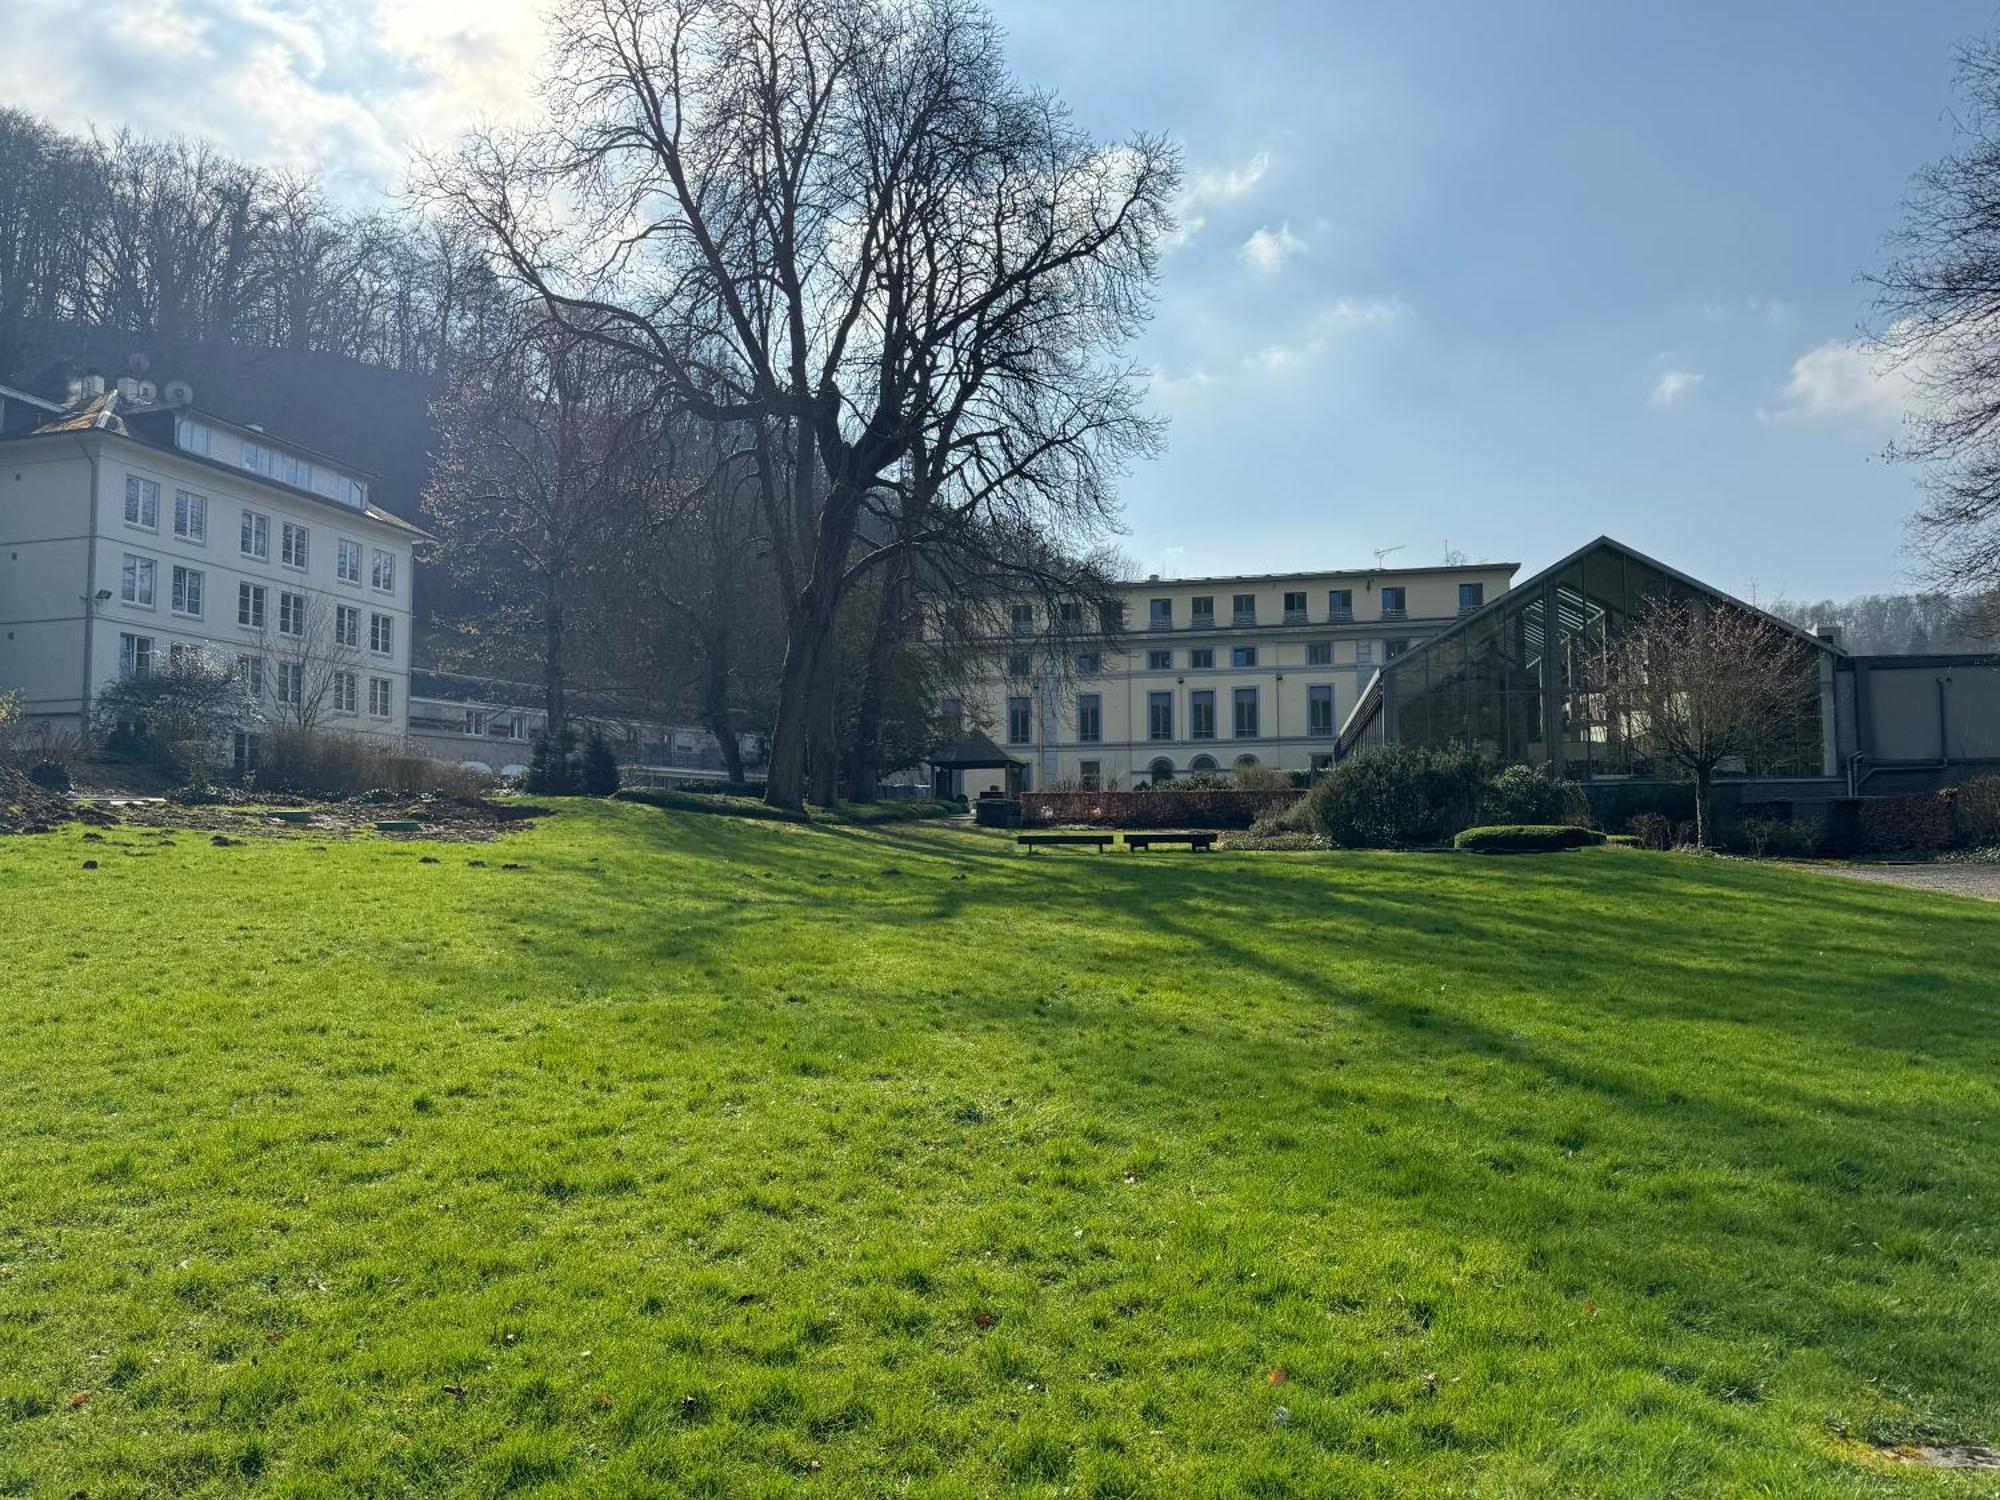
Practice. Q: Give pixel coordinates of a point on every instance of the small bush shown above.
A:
(1652, 831)
(552, 770)
(1773, 838)
(1294, 819)
(599, 771)
(1978, 809)
(1398, 797)
(1525, 838)
(320, 763)
(1263, 779)
(997, 812)
(49, 775)
(1528, 794)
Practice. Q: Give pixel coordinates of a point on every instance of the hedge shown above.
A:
(1220, 807)
(1525, 838)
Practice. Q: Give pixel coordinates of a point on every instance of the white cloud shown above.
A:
(1672, 385)
(342, 89)
(1323, 331)
(1204, 190)
(1266, 251)
(1839, 381)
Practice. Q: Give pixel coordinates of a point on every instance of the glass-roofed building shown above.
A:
(1525, 679)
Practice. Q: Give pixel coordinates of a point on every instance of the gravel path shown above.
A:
(1980, 881)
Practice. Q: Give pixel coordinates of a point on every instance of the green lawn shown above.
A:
(707, 1157)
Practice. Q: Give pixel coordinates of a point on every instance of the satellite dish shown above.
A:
(148, 393)
(179, 393)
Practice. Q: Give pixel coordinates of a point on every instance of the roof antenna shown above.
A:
(1382, 552)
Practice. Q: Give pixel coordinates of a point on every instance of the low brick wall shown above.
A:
(1222, 807)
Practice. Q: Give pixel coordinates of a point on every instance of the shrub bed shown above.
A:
(1525, 838)
(1222, 807)
(709, 802)
(319, 764)
(1396, 798)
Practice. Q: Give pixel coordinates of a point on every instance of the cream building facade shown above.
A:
(130, 531)
(1208, 675)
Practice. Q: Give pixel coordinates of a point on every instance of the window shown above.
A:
(1072, 616)
(135, 655)
(1089, 664)
(385, 571)
(1020, 616)
(250, 675)
(181, 653)
(1340, 604)
(1243, 609)
(380, 703)
(187, 591)
(292, 549)
(351, 492)
(1204, 609)
(250, 605)
(1202, 658)
(1161, 614)
(347, 561)
(142, 502)
(1161, 770)
(346, 693)
(1090, 774)
(291, 683)
(255, 540)
(1319, 653)
(1319, 709)
(1020, 721)
(1089, 719)
(1393, 603)
(1242, 656)
(1202, 763)
(1393, 649)
(346, 625)
(295, 471)
(1246, 713)
(1470, 597)
(246, 749)
(1201, 715)
(1295, 608)
(258, 459)
(1159, 716)
(475, 721)
(382, 634)
(1159, 661)
(952, 712)
(1017, 662)
(1111, 618)
(135, 581)
(291, 613)
(192, 437)
(190, 516)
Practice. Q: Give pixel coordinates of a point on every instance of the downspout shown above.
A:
(89, 592)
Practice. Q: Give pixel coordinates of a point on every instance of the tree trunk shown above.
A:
(555, 687)
(864, 748)
(715, 711)
(809, 646)
(1702, 778)
(823, 753)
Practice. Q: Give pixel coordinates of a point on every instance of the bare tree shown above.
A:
(1698, 684)
(842, 231)
(1937, 319)
(311, 650)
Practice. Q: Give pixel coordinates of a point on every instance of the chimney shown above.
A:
(128, 388)
(1828, 633)
(93, 385)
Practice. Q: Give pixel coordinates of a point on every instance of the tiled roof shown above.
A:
(98, 414)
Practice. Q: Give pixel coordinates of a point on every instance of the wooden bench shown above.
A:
(1198, 843)
(1033, 841)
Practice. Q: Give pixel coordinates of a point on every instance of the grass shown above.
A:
(703, 1156)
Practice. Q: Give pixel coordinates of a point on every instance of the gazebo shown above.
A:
(973, 751)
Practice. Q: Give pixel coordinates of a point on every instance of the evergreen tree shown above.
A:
(600, 767)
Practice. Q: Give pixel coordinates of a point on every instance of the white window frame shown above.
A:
(383, 565)
(142, 503)
(133, 661)
(256, 527)
(346, 693)
(381, 698)
(382, 634)
(250, 674)
(294, 546)
(291, 607)
(343, 549)
(138, 581)
(187, 592)
(191, 516)
(251, 605)
(346, 625)
(291, 686)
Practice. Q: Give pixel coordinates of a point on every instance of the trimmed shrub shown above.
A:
(1398, 797)
(1978, 809)
(599, 771)
(1618, 805)
(997, 812)
(1528, 794)
(1890, 825)
(890, 810)
(735, 807)
(1221, 807)
(1525, 838)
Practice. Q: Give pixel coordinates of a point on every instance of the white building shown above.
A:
(1206, 676)
(130, 531)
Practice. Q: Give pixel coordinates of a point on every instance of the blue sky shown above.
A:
(1499, 275)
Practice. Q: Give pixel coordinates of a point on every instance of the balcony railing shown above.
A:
(1394, 612)
(1244, 617)
(1295, 617)
(1203, 621)
(1340, 617)
(1160, 622)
